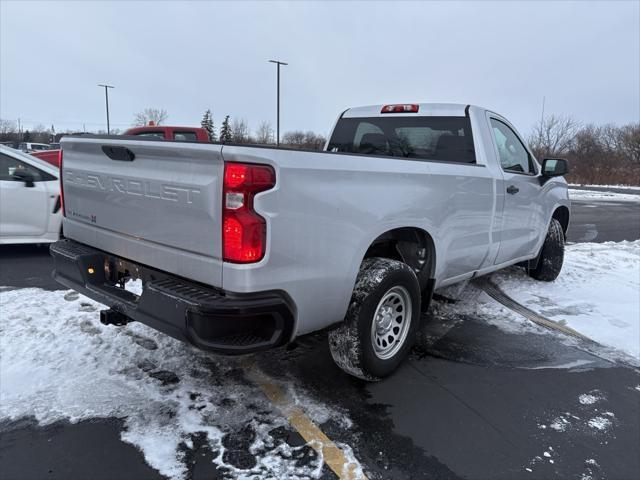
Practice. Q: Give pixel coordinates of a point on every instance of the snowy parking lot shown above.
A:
(597, 293)
(544, 404)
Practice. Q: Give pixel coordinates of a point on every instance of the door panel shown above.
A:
(521, 189)
(23, 210)
(521, 216)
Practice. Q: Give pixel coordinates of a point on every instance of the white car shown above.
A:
(30, 203)
(33, 147)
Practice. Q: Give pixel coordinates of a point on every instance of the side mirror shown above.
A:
(554, 167)
(25, 177)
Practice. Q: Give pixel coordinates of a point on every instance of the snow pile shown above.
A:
(59, 363)
(597, 293)
(620, 187)
(587, 195)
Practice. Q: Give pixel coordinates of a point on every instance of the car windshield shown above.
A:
(432, 138)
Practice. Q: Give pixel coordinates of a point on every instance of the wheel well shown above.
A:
(562, 215)
(410, 245)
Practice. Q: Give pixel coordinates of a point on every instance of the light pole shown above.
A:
(278, 63)
(106, 99)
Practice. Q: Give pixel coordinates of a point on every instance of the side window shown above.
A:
(513, 155)
(185, 136)
(9, 166)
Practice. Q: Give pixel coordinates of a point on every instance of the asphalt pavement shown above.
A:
(472, 401)
(610, 221)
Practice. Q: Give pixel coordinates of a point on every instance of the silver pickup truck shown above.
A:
(245, 248)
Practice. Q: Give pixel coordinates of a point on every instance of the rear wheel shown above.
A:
(381, 322)
(551, 256)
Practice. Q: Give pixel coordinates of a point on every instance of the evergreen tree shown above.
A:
(207, 124)
(225, 131)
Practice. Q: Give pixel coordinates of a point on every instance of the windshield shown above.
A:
(433, 138)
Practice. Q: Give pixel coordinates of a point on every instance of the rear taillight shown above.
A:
(244, 232)
(401, 108)
(61, 187)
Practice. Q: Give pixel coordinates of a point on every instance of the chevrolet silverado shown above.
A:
(244, 248)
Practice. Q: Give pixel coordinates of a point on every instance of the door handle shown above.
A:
(122, 154)
(512, 190)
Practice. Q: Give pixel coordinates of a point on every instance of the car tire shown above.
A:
(382, 320)
(551, 257)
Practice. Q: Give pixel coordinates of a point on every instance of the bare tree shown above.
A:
(313, 141)
(40, 134)
(293, 139)
(265, 134)
(553, 135)
(7, 126)
(303, 140)
(240, 131)
(629, 142)
(155, 115)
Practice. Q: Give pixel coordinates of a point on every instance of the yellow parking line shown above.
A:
(332, 455)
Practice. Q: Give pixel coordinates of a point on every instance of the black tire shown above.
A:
(352, 343)
(551, 256)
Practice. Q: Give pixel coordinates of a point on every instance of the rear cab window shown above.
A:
(185, 136)
(446, 139)
(155, 134)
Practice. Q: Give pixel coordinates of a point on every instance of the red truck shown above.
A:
(49, 156)
(184, 134)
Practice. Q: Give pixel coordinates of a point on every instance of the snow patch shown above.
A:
(599, 423)
(560, 424)
(134, 286)
(59, 363)
(585, 195)
(589, 398)
(620, 187)
(595, 294)
(564, 366)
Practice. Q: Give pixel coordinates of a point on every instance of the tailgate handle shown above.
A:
(122, 154)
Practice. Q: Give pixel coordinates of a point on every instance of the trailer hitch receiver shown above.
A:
(113, 317)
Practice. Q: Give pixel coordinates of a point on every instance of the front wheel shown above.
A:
(381, 322)
(551, 256)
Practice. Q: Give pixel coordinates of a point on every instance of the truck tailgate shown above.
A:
(156, 203)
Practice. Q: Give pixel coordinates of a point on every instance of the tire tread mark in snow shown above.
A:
(498, 295)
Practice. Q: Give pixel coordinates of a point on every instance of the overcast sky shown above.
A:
(185, 57)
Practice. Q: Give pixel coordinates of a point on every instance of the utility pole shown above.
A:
(542, 116)
(278, 63)
(106, 99)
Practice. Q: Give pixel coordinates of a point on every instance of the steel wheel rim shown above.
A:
(391, 322)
